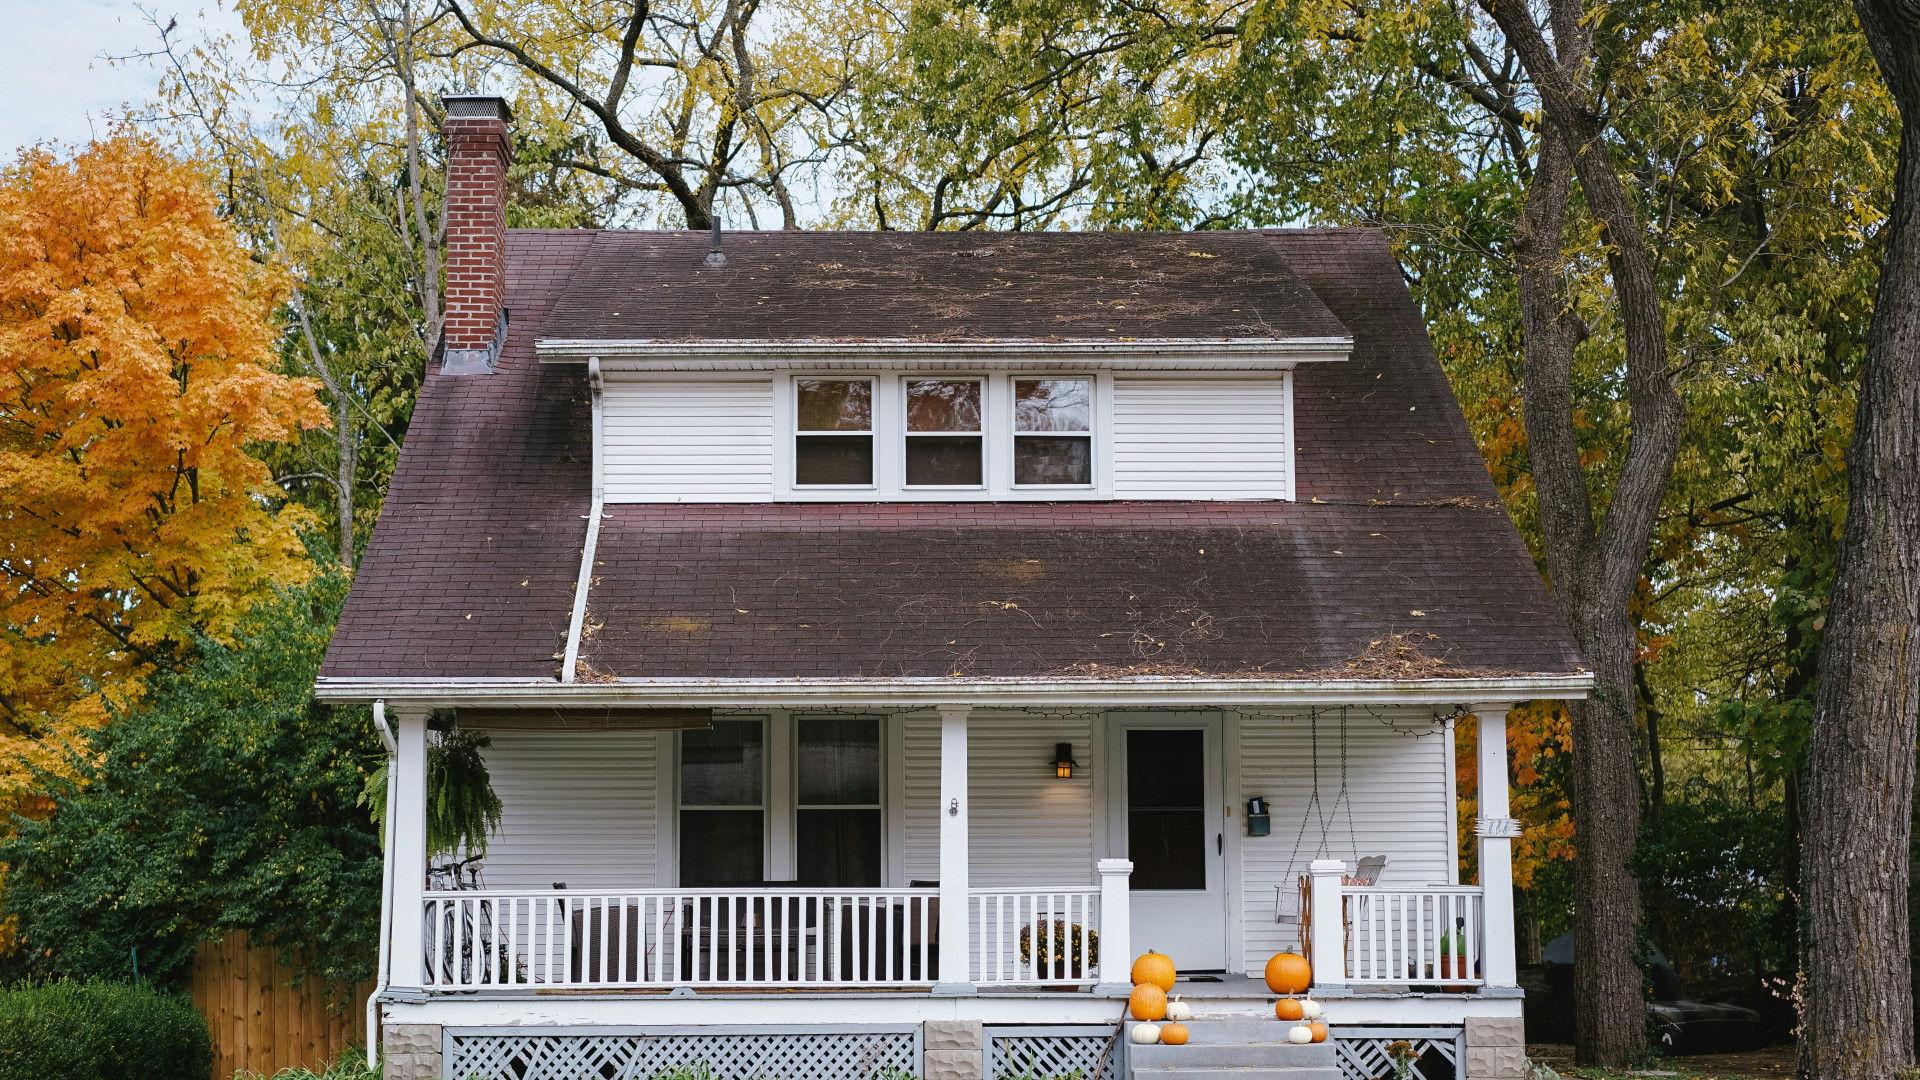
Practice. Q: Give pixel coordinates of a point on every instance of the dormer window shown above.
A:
(833, 432)
(1053, 432)
(943, 433)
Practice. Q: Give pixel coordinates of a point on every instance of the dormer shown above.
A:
(851, 367)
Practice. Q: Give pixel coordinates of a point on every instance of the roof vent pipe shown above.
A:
(716, 257)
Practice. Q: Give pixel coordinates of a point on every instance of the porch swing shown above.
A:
(1291, 902)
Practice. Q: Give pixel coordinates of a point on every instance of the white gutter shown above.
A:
(382, 965)
(909, 693)
(598, 506)
(762, 354)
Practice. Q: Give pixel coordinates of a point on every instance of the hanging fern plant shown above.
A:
(462, 810)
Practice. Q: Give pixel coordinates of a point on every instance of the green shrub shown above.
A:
(101, 1031)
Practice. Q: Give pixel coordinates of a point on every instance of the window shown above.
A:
(833, 432)
(722, 817)
(1166, 815)
(838, 816)
(1052, 431)
(939, 450)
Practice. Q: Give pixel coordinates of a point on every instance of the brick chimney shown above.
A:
(478, 150)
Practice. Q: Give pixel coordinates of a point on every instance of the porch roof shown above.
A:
(470, 572)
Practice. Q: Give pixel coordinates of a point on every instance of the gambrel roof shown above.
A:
(1397, 527)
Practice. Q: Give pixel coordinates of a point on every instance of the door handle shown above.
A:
(1219, 843)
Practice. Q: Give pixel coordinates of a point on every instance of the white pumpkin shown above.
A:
(1179, 1011)
(1310, 1009)
(1300, 1034)
(1148, 1034)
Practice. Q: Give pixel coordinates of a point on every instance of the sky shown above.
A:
(55, 81)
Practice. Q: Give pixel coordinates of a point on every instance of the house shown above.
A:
(883, 638)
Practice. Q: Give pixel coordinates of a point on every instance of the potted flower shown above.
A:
(1059, 946)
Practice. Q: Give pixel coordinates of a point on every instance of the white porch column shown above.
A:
(956, 945)
(407, 783)
(1116, 927)
(1328, 943)
(1495, 829)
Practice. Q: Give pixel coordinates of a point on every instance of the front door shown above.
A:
(1172, 829)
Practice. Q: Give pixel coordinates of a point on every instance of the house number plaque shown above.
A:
(1497, 828)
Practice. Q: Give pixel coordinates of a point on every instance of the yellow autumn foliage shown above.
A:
(136, 369)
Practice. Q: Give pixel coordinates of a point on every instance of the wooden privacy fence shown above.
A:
(262, 1025)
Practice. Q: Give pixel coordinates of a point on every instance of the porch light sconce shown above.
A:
(1063, 763)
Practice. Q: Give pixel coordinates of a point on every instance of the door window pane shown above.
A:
(1055, 407)
(833, 405)
(1166, 817)
(839, 762)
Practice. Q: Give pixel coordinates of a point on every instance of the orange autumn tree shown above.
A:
(1537, 733)
(136, 344)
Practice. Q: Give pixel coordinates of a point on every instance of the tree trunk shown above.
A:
(1609, 1027)
(347, 472)
(1858, 1020)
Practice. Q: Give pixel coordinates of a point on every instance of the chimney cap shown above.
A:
(477, 106)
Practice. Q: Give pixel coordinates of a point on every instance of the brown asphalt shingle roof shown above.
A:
(470, 571)
(938, 287)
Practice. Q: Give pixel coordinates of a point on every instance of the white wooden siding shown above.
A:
(1396, 786)
(1223, 438)
(577, 807)
(682, 440)
(1026, 826)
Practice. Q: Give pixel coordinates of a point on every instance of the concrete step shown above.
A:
(1234, 1055)
(1233, 1073)
(1246, 1031)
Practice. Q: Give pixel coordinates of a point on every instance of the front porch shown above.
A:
(981, 920)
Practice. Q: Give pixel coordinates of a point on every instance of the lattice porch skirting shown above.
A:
(824, 1052)
(1363, 1051)
(1047, 1053)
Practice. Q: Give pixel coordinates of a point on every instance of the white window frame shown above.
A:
(780, 795)
(889, 435)
(790, 411)
(1094, 427)
(984, 383)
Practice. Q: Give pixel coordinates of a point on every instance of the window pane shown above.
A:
(833, 404)
(1166, 820)
(720, 847)
(839, 848)
(942, 405)
(833, 459)
(721, 766)
(1052, 405)
(1052, 459)
(943, 460)
(839, 762)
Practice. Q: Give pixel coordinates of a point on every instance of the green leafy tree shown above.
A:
(226, 801)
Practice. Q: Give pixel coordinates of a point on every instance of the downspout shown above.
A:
(386, 890)
(581, 585)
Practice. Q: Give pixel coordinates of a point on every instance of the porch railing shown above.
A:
(1039, 937)
(1427, 935)
(682, 937)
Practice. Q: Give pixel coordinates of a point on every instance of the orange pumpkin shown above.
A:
(1174, 1034)
(1289, 1009)
(1319, 1031)
(1288, 973)
(1154, 968)
(1147, 1002)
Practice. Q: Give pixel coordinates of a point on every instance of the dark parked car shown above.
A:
(1681, 1026)
(1695, 1026)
